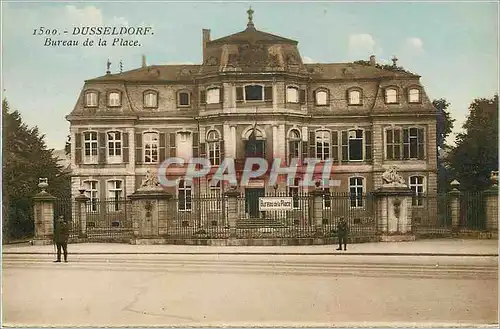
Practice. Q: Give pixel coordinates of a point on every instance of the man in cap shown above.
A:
(61, 234)
(342, 231)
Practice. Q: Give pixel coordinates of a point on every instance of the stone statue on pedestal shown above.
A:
(392, 178)
(150, 182)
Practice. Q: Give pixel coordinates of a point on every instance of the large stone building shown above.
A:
(253, 96)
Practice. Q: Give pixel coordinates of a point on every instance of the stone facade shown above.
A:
(127, 123)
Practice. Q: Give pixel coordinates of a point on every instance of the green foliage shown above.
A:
(384, 67)
(476, 151)
(25, 159)
(444, 126)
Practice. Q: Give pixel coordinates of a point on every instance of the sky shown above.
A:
(454, 46)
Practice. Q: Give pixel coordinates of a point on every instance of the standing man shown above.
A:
(61, 234)
(342, 231)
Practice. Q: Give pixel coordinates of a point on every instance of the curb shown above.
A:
(262, 253)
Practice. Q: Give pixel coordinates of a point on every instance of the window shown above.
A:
(292, 95)
(410, 146)
(92, 192)
(184, 195)
(215, 194)
(356, 191)
(321, 97)
(114, 99)
(184, 99)
(293, 191)
(327, 198)
(91, 99)
(414, 95)
(417, 186)
(391, 96)
(151, 141)
(294, 142)
(115, 195)
(322, 144)
(354, 97)
(90, 146)
(150, 99)
(114, 146)
(254, 93)
(355, 145)
(213, 96)
(213, 145)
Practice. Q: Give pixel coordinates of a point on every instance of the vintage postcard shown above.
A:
(298, 164)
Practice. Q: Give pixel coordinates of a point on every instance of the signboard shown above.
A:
(256, 183)
(275, 203)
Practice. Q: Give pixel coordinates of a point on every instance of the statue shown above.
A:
(392, 178)
(150, 181)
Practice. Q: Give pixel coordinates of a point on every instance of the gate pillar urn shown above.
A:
(393, 207)
(150, 209)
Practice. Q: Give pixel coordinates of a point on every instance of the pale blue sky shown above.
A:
(452, 45)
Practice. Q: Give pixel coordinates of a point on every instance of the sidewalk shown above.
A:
(439, 247)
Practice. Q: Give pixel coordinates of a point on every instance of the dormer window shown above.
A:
(292, 94)
(354, 97)
(183, 98)
(254, 93)
(150, 99)
(414, 95)
(391, 96)
(321, 97)
(91, 99)
(213, 95)
(114, 99)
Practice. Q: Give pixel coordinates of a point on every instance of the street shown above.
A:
(211, 289)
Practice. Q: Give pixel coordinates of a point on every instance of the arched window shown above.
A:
(90, 145)
(150, 99)
(292, 94)
(354, 97)
(294, 142)
(151, 144)
(115, 195)
(356, 144)
(391, 95)
(92, 192)
(322, 144)
(184, 98)
(114, 99)
(356, 190)
(213, 147)
(321, 97)
(213, 95)
(414, 95)
(184, 195)
(91, 99)
(114, 146)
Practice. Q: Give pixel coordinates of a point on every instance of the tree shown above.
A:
(25, 159)
(476, 151)
(444, 126)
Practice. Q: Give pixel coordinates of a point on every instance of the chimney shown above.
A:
(206, 38)
(372, 60)
(144, 61)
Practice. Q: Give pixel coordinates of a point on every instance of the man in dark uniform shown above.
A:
(61, 234)
(342, 231)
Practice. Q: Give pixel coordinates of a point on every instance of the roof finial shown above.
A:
(108, 65)
(394, 60)
(250, 17)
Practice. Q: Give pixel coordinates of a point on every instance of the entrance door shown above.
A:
(252, 201)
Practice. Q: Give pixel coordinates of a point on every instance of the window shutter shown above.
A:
(302, 96)
(304, 150)
(368, 145)
(203, 97)
(314, 98)
(221, 95)
(78, 148)
(335, 146)
(221, 150)
(397, 144)
(102, 147)
(268, 93)
(239, 94)
(163, 147)
(125, 147)
(421, 144)
(196, 145)
(289, 151)
(406, 143)
(138, 149)
(172, 148)
(312, 144)
(345, 147)
(203, 150)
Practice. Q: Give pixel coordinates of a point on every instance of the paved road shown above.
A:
(291, 290)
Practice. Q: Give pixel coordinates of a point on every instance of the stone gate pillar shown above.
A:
(317, 207)
(232, 210)
(44, 216)
(81, 201)
(454, 202)
(393, 208)
(491, 207)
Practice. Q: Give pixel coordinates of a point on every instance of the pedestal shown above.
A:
(150, 212)
(393, 209)
(44, 218)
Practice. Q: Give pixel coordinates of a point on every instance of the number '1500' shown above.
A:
(43, 31)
